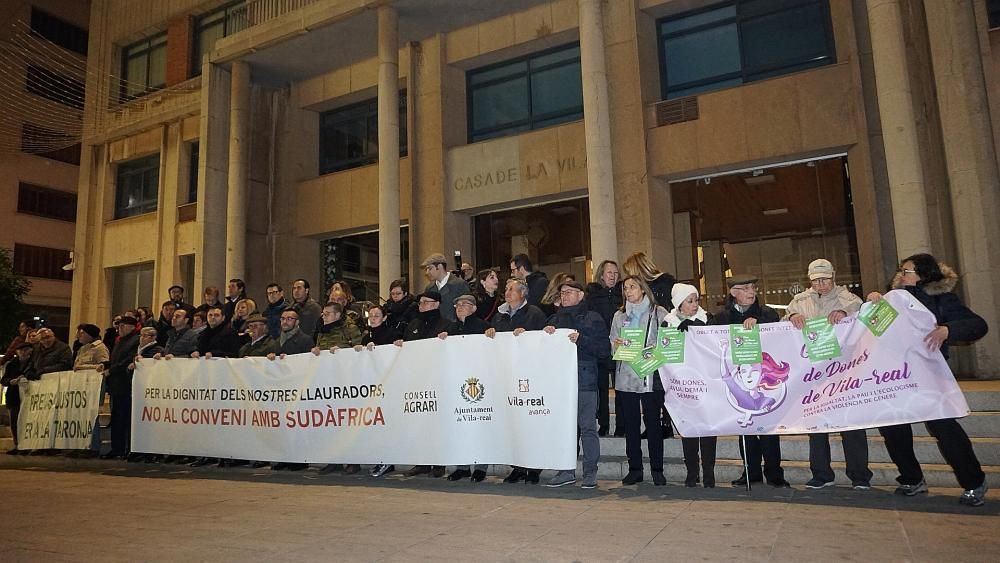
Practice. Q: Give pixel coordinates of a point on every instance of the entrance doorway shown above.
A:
(769, 222)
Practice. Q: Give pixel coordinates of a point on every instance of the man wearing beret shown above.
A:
(590, 334)
(743, 308)
(92, 350)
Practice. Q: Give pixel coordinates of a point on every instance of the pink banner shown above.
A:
(875, 381)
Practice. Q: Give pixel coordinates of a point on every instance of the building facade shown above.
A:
(242, 139)
(43, 46)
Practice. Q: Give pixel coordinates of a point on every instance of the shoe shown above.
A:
(533, 476)
(658, 479)
(589, 480)
(816, 483)
(912, 490)
(861, 486)
(562, 479)
(691, 480)
(602, 431)
(381, 469)
(352, 468)
(224, 463)
(459, 474)
(709, 484)
(438, 471)
(259, 464)
(330, 468)
(974, 497)
(516, 474)
(86, 454)
(135, 458)
(619, 433)
(108, 455)
(418, 470)
(200, 462)
(12, 451)
(478, 476)
(780, 484)
(742, 481)
(632, 478)
(238, 462)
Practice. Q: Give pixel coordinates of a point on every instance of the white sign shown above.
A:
(59, 410)
(467, 399)
(876, 381)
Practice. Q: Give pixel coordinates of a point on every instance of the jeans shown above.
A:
(855, 454)
(955, 446)
(768, 449)
(586, 420)
(650, 404)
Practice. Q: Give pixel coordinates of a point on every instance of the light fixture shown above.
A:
(779, 211)
(72, 263)
(757, 180)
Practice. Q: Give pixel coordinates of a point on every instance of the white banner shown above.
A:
(875, 381)
(59, 411)
(467, 399)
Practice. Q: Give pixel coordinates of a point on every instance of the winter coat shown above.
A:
(119, 378)
(399, 314)
(428, 324)
(605, 301)
(163, 328)
(57, 357)
(273, 315)
(452, 288)
(220, 341)
(661, 286)
(262, 347)
(591, 346)
(625, 377)
(537, 282)
(90, 355)
(379, 335)
(111, 336)
(342, 333)
(181, 343)
(309, 312)
(471, 325)
(486, 305)
(729, 315)
(528, 317)
(295, 342)
(12, 370)
(11, 352)
(964, 326)
(811, 304)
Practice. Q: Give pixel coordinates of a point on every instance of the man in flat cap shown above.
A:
(442, 281)
(743, 307)
(119, 383)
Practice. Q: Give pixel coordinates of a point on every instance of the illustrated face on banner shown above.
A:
(755, 389)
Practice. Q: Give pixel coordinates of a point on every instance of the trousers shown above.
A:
(952, 441)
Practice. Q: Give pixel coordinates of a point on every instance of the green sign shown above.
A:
(631, 348)
(647, 363)
(744, 344)
(878, 317)
(670, 345)
(821, 340)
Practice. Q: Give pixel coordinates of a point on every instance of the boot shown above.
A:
(708, 445)
(690, 447)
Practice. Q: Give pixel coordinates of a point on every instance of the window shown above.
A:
(193, 173)
(62, 33)
(348, 136)
(46, 202)
(144, 67)
(214, 26)
(41, 262)
(54, 86)
(742, 41)
(138, 186)
(556, 236)
(131, 287)
(528, 93)
(354, 259)
(993, 12)
(39, 141)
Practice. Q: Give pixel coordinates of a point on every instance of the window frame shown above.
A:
(199, 27)
(41, 207)
(136, 167)
(143, 48)
(372, 112)
(59, 32)
(543, 120)
(992, 14)
(41, 262)
(742, 16)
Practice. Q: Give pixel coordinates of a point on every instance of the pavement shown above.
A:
(57, 509)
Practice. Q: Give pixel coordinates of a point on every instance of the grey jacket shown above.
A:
(625, 378)
(454, 287)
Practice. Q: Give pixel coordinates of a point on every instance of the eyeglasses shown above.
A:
(289, 318)
(905, 271)
(821, 281)
(427, 301)
(749, 288)
(569, 291)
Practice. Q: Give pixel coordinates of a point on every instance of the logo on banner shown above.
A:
(755, 389)
(472, 390)
(420, 401)
(522, 386)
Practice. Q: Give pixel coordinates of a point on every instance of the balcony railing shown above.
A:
(256, 12)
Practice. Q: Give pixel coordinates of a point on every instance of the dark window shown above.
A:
(54, 86)
(214, 26)
(993, 12)
(138, 186)
(41, 262)
(528, 93)
(348, 136)
(193, 173)
(46, 202)
(742, 41)
(144, 67)
(40, 142)
(62, 33)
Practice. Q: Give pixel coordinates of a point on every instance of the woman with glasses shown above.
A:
(825, 298)
(488, 299)
(639, 394)
(932, 283)
(743, 308)
(687, 312)
(400, 309)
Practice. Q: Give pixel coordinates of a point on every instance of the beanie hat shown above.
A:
(680, 292)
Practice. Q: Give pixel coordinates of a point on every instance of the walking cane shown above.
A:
(746, 464)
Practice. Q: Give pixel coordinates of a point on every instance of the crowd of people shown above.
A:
(463, 301)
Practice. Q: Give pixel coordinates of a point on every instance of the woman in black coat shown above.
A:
(933, 283)
(400, 309)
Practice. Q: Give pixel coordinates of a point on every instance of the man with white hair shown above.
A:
(825, 298)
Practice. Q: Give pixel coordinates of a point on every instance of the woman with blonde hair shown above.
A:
(661, 283)
(550, 300)
(243, 309)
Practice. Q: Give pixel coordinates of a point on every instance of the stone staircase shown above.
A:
(983, 426)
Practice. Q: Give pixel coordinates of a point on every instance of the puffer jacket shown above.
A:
(964, 326)
(591, 346)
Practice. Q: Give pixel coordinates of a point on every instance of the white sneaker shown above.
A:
(381, 469)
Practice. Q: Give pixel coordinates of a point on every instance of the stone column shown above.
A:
(970, 155)
(388, 148)
(899, 128)
(239, 163)
(596, 121)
